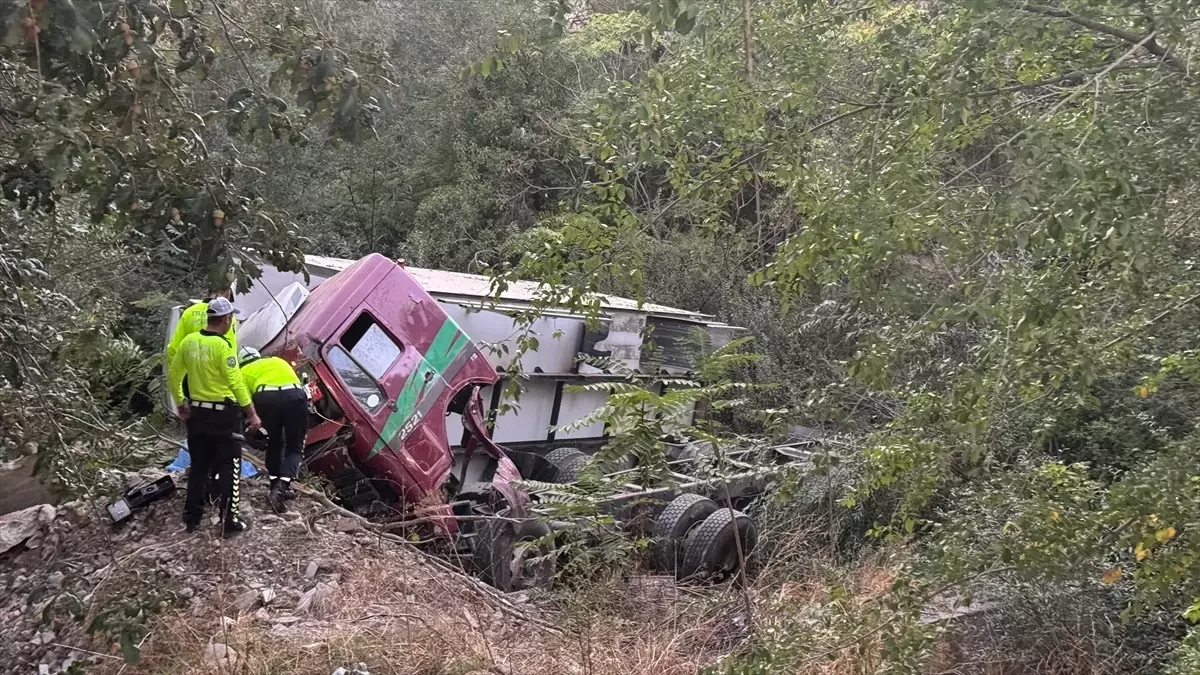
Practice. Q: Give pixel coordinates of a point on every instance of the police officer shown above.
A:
(213, 411)
(283, 404)
(193, 320)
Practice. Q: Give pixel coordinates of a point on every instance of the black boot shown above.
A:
(234, 527)
(275, 498)
(289, 493)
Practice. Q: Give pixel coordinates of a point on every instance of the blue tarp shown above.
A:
(183, 460)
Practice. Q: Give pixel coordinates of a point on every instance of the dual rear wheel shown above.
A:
(696, 538)
(693, 536)
(564, 465)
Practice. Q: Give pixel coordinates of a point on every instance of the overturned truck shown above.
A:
(401, 428)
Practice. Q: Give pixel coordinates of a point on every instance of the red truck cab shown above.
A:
(385, 366)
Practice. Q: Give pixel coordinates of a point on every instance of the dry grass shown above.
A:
(792, 591)
(379, 620)
(386, 607)
(390, 609)
(798, 582)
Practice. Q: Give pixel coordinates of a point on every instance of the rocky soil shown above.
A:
(311, 592)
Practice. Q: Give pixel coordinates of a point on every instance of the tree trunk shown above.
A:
(748, 33)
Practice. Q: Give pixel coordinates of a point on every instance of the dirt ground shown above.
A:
(312, 592)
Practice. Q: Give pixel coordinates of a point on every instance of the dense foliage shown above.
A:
(993, 202)
(963, 234)
(121, 129)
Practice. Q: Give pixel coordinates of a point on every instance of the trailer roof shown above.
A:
(463, 287)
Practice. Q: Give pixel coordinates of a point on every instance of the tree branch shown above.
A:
(849, 113)
(1074, 77)
(233, 45)
(1153, 320)
(1012, 139)
(1151, 44)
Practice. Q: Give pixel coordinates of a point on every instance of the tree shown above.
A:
(109, 102)
(121, 183)
(999, 195)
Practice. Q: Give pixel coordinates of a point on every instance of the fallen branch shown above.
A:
(483, 590)
(410, 617)
(86, 651)
(404, 524)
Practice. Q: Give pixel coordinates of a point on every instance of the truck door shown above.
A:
(389, 381)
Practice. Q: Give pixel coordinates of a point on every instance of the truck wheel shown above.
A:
(565, 465)
(670, 528)
(514, 556)
(712, 548)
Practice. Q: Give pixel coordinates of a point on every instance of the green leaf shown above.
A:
(1192, 613)
(685, 21)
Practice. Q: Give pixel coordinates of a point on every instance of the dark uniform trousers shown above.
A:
(213, 491)
(284, 415)
(215, 448)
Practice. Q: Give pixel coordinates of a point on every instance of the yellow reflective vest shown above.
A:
(210, 364)
(268, 371)
(193, 320)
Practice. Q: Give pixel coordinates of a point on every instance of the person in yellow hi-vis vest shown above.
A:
(193, 320)
(283, 404)
(213, 411)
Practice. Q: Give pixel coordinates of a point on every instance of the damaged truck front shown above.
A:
(385, 366)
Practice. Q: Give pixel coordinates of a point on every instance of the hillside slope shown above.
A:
(312, 592)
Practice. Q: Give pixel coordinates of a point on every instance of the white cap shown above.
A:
(220, 307)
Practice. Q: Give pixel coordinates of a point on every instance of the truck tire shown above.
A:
(514, 556)
(565, 465)
(712, 548)
(671, 527)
